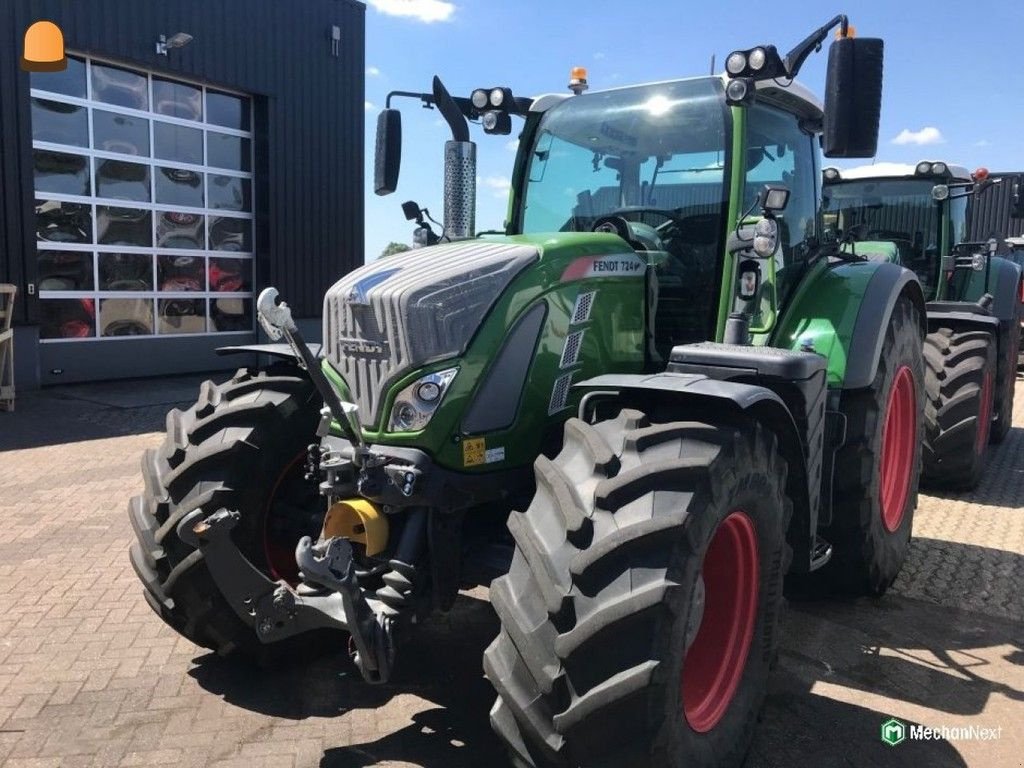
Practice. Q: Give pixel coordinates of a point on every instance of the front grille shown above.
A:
(404, 311)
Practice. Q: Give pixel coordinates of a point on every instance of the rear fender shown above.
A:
(842, 310)
(697, 394)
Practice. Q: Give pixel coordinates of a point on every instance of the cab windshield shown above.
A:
(654, 154)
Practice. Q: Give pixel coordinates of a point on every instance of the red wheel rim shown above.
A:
(984, 414)
(898, 443)
(716, 659)
(280, 559)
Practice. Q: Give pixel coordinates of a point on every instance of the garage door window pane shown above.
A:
(61, 173)
(65, 271)
(121, 87)
(175, 186)
(180, 230)
(124, 226)
(62, 222)
(120, 180)
(126, 317)
(230, 275)
(126, 272)
(181, 273)
(124, 134)
(182, 315)
(59, 123)
(67, 318)
(230, 234)
(227, 110)
(232, 152)
(176, 142)
(176, 99)
(231, 314)
(70, 82)
(230, 193)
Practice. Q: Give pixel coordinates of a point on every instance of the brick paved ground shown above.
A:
(90, 677)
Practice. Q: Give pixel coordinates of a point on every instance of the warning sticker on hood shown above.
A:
(613, 265)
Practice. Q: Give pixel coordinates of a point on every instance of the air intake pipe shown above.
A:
(459, 169)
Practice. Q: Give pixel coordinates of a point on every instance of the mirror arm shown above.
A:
(796, 57)
(450, 111)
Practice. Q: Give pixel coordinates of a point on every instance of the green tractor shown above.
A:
(631, 415)
(917, 216)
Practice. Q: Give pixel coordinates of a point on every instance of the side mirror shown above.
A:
(853, 97)
(387, 160)
(1017, 211)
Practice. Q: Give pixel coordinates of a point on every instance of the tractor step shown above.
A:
(821, 553)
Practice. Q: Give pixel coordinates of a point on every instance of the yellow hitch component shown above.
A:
(357, 520)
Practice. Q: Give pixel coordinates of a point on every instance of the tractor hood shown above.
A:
(408, 310)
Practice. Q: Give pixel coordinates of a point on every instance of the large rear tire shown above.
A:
(1006, 377)
(959, 385)
(877, 469)
(239, 447)
(639, 617)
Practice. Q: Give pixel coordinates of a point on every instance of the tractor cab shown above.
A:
(657, 164)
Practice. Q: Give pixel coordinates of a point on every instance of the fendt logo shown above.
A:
(893, 731)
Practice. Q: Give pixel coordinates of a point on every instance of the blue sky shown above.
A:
(945, 96)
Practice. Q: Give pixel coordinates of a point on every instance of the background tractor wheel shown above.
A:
(959, 385)
(639, 617)
(877, 470)
(1006, 378)
(241, 446)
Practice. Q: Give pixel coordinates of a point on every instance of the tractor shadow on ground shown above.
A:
(77, 412)
(845, 667)
(440, 674)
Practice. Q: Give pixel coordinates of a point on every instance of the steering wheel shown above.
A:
(641, 237)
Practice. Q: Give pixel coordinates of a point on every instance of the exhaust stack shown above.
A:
(459, 189)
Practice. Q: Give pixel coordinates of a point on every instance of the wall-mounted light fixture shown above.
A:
(179, 40)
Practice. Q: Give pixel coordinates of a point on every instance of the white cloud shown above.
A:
(927, 135)
(513, 146)
(369, 105)
(499, 185)
(983, 143)
(427, 11)
(373, 71)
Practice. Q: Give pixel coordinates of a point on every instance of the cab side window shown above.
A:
(778, 152)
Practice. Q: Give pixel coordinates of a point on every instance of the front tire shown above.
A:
(877, 469)
(959, 384)
(239, 447)
(639, 617)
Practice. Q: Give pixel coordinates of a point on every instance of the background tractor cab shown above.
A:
(912, 215)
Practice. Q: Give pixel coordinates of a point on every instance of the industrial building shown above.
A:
(189, 154)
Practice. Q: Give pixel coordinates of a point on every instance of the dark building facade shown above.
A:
(992, 211)
(147, 197)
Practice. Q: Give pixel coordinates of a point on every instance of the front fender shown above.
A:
(842, 310)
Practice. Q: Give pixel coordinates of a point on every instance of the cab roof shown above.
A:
(896, 171)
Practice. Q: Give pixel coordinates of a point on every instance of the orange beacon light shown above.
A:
(44, 48)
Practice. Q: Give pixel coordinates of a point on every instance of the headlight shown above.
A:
(940, 169)
(415, 405)
(497, 97)
(479, 98)
(923, 168)
(736, 63)
(757, 59)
